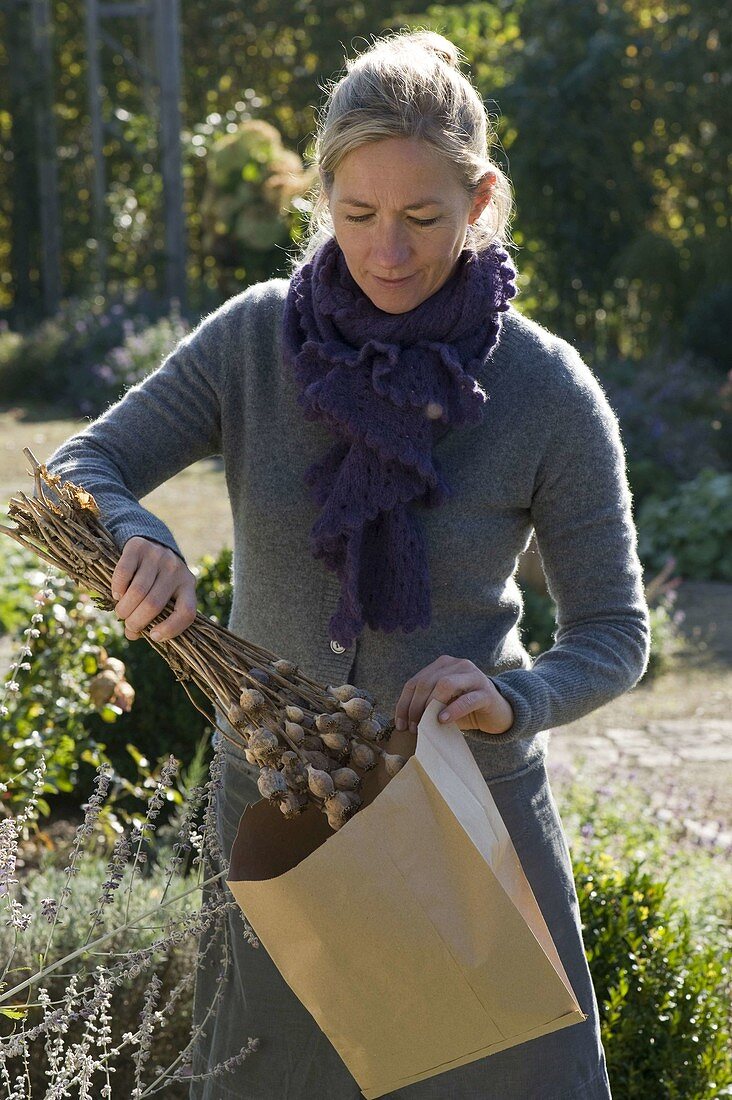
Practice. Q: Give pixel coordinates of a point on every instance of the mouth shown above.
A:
(393, 282)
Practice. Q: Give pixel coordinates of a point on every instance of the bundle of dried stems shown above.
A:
(311, 742)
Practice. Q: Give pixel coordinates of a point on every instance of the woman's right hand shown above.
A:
(146, 576)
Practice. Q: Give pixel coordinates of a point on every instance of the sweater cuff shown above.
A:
(147, 527)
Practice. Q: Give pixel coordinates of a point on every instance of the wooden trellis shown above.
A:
(158, 67)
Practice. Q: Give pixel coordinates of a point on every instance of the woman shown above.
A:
(392, 430)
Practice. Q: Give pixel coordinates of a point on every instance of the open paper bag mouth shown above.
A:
(411, 934)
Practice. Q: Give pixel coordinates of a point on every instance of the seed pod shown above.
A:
(346, 779)
(370, 728)
(336, 821)
(393, 763)
(113, 664)
(294, 770)
(251, 699)
(285, 668)
(295, 714)
(338, 803)
(362, 756)
(272, 783)
(319, 782)
(263, 742)
(123, 696)
(237, 715)
(292, 804)
(318, 760)
(359, 709)
(260, 675)
(342, 692)
(101, 687)
(251, 757)
(326, 722)
(343, 724)
(355, 800)
(313, 742)
(336, 742)
(307, 722)
(295, 732)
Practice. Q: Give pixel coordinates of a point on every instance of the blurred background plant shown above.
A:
(654, 888)
(84, 356)
(694, 524)
(247, 214)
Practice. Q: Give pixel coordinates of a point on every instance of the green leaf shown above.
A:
(142, 761)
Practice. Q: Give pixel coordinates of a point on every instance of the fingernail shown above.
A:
(115, 595)
(401, 724)
(444, 715)
(155, 634)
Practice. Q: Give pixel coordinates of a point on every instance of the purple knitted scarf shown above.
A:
(387, 386)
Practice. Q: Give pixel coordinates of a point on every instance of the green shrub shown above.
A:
(537, 623)
(49, 709)
(140, 353)
(694, 526)
(51, 712)
(66, 357)
(214, 585)
(675, 416)
(662, 996)
(656, 913)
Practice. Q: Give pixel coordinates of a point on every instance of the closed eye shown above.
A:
(416, 221)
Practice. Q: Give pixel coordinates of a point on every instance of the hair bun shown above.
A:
(437, 44)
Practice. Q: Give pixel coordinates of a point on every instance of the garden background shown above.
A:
(610, 125)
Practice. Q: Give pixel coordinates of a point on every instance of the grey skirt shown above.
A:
(296, 1061)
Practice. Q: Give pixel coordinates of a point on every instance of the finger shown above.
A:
(138, 589)
(126, 567)
(149, 607)
(180, 619)
(444, 688)
(473, 700)
(401, 710)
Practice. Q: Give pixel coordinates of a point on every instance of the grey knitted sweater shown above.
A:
(548, 455)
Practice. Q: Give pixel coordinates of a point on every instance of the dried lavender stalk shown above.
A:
(311, 742)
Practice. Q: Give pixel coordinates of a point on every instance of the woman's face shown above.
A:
(400, 216)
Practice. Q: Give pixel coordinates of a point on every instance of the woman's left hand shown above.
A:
(475, 703)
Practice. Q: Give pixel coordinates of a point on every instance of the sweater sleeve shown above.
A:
(581, 511)
(161, 425)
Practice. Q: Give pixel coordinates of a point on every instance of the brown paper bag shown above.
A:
(411, 934)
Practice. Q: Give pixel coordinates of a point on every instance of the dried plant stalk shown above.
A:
(312, 742)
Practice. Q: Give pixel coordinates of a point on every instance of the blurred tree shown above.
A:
(615, 126)
(610, 123)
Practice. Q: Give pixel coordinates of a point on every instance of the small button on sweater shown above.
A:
(547, 456)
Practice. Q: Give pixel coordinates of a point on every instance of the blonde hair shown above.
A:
(408, 84)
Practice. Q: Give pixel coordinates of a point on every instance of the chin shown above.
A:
(394, 303)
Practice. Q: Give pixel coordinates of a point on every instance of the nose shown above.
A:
(390, 250)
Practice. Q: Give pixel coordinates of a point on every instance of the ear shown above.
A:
(482, 196)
